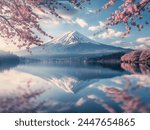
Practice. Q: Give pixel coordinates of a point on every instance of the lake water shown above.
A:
(39, 87)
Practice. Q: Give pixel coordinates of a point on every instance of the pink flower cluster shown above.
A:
(128, 13)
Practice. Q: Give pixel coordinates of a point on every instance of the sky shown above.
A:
(87, 22)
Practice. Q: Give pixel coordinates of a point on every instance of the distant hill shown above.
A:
(6, 57)
(108, 58)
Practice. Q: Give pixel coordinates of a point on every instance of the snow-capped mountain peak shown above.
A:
(72, 38)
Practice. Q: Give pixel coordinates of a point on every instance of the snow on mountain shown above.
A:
(72, 38)
(72, 43)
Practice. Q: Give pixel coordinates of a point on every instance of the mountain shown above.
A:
(71, 44)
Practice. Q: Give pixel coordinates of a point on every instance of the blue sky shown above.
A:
(87, 22)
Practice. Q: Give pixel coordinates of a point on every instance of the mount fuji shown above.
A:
(71, 44)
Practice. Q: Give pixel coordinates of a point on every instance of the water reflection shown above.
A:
(127, 97)
(74, 88)
(136, 68)
(23, 101)
(7, 66)
(71, 78)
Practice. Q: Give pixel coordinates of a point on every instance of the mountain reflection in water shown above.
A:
(75, 88)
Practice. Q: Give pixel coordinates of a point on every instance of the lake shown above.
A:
(101, 88)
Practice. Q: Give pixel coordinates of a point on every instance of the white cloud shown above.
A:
(81, 22)
(96, 28)
(124, 44)
(66, 14)
(93, 28)
(50, 21)
(117, 42)
(132, 45)
(140, 47)
(109, 34)
(90, 11)
(144, 40)
(46, 17)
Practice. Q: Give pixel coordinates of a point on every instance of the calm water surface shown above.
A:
(41, 87)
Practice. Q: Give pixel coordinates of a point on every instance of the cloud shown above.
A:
(46, 17)
(68, 12)
(93, 28)
(65, 10)
(123, 43)
(144, 40)
(82, 23)
(118, 42)
(99, 27)
(50, 20)
(109, 34)
(140, 47)
(132, 45)
(90, 11)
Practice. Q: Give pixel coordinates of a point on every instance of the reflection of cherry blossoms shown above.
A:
(29, 99)
(145, 69)
(23, 102)
(136, 68)
(128, 101)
